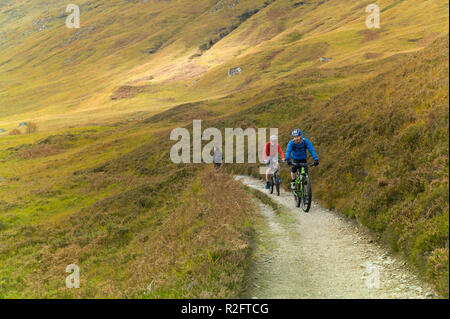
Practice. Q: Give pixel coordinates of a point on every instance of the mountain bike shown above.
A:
(303, 192)
(274, 179)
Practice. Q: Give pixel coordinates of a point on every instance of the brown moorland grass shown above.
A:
(15, 131)
(40, 150)
(372, 55)
(161, 228)
(127, 92)
(370, 35)
(204, 247)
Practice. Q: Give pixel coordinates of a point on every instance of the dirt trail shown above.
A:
(321, 254)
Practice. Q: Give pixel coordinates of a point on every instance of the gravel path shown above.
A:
(321, 254)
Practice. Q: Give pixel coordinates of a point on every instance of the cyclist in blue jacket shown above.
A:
(296, 153)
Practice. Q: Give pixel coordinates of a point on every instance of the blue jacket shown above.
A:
(298, 151)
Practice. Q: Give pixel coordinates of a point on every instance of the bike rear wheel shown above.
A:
(306, 195)
(271, 184)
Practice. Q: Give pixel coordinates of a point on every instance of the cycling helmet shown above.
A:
(296, 132)
(274, 138)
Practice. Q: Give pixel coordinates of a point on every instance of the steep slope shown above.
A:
(49, 69)
(384, 154)
(94, 186)
(144, 56)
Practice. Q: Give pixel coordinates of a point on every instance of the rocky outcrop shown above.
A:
(234, 71)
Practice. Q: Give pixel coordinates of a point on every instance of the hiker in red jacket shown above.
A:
(270, 156)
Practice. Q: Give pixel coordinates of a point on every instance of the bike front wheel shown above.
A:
(297, 196)
(306, 195)
(276, 181)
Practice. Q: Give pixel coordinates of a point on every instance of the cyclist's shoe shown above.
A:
(293, 186)
(267, 186)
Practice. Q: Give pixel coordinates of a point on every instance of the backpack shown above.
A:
(304, 145)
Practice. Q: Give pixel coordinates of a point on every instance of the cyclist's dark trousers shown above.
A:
(295, 167)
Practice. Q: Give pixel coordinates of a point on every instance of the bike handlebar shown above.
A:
(302, 164)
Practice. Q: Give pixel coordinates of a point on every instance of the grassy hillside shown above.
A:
(154, 55)
(95, 186)
(384, 155)
(127, 222)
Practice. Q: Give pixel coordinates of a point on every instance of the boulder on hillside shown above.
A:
(323, 59)
(234, 71)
